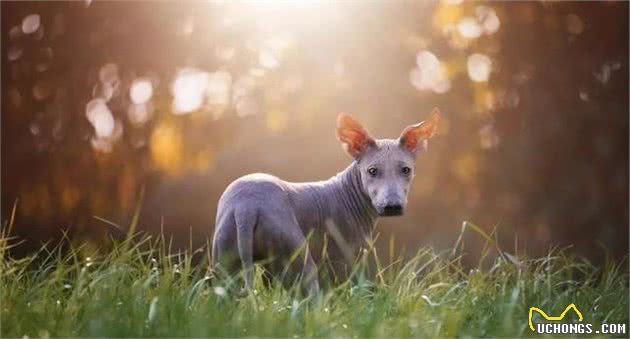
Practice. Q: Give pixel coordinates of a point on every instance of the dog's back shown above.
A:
(245, 200)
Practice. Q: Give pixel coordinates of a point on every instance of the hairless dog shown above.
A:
(263, 218)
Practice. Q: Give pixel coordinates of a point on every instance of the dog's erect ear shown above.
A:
(415, 137)
(354, 138)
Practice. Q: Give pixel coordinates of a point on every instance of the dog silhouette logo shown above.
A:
(553, 318)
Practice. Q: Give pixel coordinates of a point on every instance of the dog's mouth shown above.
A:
(391, 211)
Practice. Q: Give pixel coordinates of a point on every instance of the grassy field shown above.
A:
(141, 290)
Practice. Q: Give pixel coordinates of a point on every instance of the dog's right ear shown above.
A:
(354, 138)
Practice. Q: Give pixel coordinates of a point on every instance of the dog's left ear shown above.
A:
(415, 137)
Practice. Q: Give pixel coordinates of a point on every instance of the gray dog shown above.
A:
(263, 218)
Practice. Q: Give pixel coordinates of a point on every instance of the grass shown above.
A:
(139, 289)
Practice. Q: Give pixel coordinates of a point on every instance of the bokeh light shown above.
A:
(430, 73)
(141, 91)
(199, 93)
(189, 89)
(108, 74)
(218, 88)
(242, 96)
(479, 67)
(468, 27)
(100, 117)
(166, 147)
(139, 114)
(31, 23)
(574, 24)
(268, 59)
(488, 18)
(14, 53)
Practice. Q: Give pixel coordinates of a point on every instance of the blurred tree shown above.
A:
(102, 100)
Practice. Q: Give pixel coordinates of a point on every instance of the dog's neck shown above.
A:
(339, 202)
(338, 207)
(352, 202)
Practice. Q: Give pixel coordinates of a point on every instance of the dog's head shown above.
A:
(387, 166)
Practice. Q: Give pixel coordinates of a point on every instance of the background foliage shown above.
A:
(102, 101)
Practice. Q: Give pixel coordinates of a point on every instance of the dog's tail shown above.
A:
(246, 219)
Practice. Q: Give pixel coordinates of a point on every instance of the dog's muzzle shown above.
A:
(391, 210)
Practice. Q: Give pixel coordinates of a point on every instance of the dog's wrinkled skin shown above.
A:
(263, 218)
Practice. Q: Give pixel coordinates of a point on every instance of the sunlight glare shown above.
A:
(268, 59)
(218, 88)
(277, 9)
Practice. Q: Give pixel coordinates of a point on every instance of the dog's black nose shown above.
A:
(394, 209)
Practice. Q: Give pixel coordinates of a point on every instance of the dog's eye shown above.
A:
(372, 171)
(406, 170)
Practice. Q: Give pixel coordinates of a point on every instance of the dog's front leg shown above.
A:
(310, 279)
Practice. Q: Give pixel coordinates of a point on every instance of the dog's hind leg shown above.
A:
(225, 258)
(245, 223)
